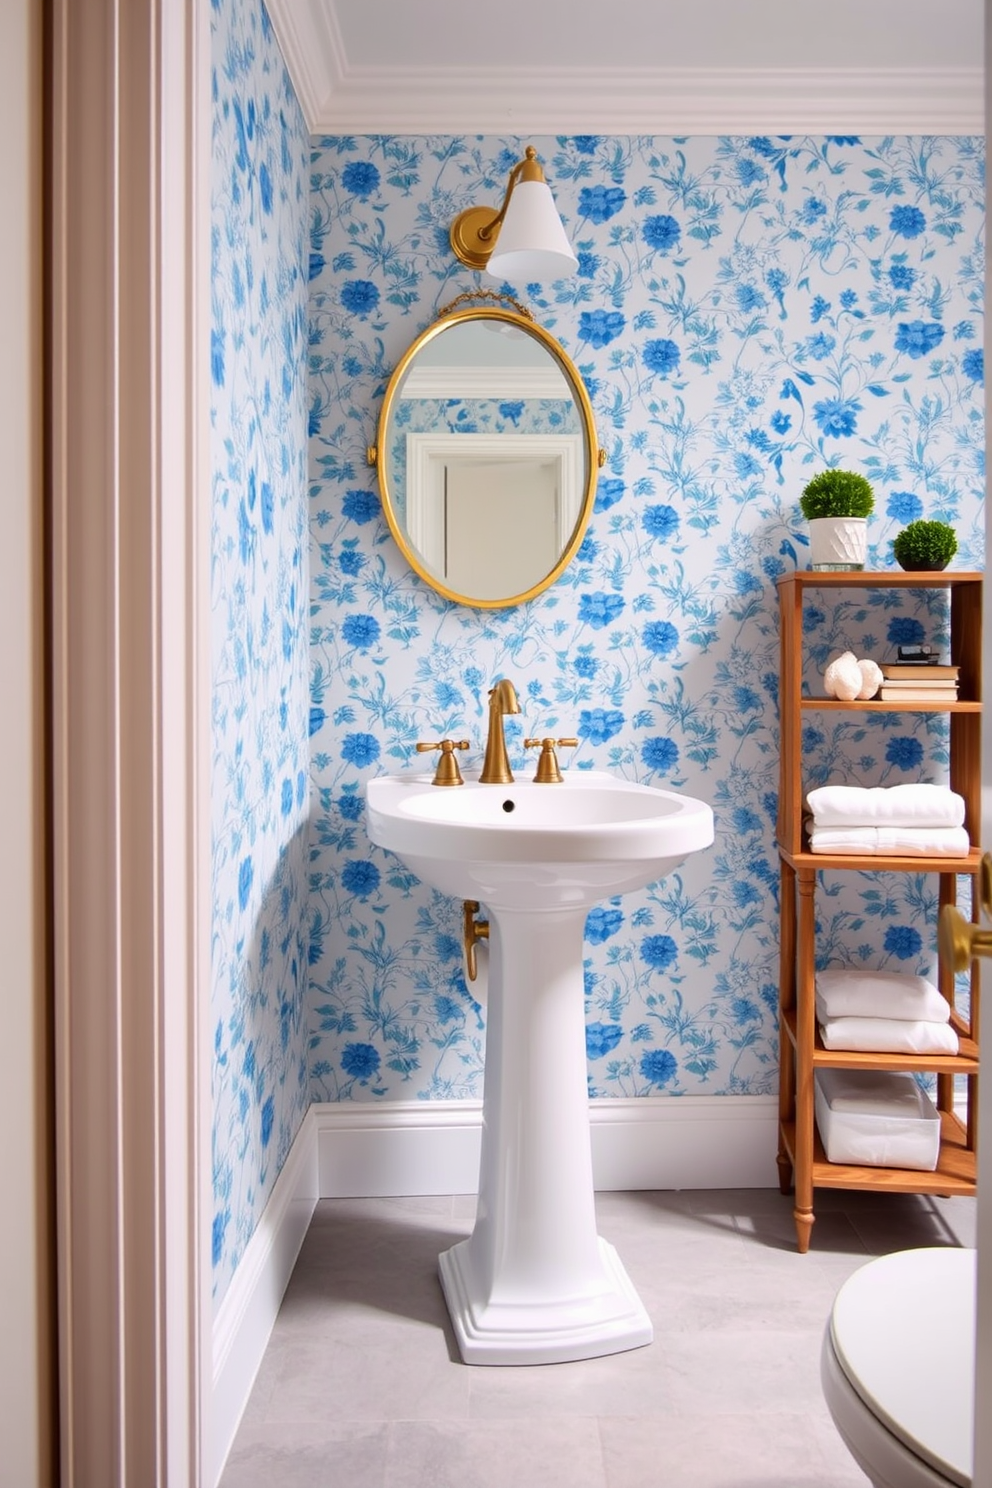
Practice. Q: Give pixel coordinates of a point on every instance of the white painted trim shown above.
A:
(542, 100)
(249, 1308)
(130, 259)
(432, 1147)
(486, 382)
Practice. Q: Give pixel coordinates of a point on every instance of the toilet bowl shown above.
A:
(897, 1368)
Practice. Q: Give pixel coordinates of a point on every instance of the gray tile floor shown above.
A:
(361, 1385)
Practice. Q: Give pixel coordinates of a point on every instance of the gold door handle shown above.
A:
(960, 940)
(473, 930)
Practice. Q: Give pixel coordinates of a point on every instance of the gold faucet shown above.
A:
(496, 766)
(548, 772)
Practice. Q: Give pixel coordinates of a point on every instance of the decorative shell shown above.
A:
(871, 678)
(842, 679)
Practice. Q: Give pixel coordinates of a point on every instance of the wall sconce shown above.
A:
(525, 239)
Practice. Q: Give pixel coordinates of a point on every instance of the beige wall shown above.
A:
(26, 1427)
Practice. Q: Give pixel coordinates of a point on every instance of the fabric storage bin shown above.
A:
(879, 1118)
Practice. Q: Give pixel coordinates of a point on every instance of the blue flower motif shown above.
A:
(749, 298)
(360, 877)
(973, 364)
(600, 610)
(512, 411)
(837, 416)
(588, 548)
(661, 232)
(359, 296)
(813, 210)
(660, 637)
(659, 1066)
(660, 521)
(350, 560)
(350, 807)
(361, 1061)
(586, 144)
(600, 327)
(820, 345)
(661, 356)
(361, 630)
(585, 666)
(602, 1039)
(608, 493)
(317, 265)
(905, 630)
(781, 422)
(918, 337)
(904, 506)
(360, 507)
(901, 276)
(659, 951)
(446, 1010)
(246, 875)
(905, 752)
(749, 172)
(588, 264)
(660, 753)
(360, 177)
(903, 941)
(599, 725)
(601, 924)
(600, 203)
(317, 716)
(360, 750)
(908, 222)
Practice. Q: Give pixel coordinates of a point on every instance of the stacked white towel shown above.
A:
(882, 1012)
(902, 820)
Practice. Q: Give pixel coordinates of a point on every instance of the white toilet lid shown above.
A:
(903, 1330)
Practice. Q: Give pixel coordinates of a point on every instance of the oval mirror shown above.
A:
(487, 457)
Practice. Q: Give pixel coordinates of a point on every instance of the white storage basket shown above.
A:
(879, 1118)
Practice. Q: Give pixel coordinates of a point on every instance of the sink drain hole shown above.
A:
(509, 805)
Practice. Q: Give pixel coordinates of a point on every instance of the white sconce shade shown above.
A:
(525, 239)
(532, 244)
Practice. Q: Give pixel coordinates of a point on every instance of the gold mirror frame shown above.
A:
(521, 318)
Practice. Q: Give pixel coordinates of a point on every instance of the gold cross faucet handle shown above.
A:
(548, 772)
(447, 772)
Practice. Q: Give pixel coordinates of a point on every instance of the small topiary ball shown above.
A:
(837, 493)
(925, 547)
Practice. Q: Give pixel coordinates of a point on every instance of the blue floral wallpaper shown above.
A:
(259, 588)
(746, 311)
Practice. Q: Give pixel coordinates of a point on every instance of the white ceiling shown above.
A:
(635, 66)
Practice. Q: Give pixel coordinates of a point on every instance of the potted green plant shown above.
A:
(837, 505)
(925, 547)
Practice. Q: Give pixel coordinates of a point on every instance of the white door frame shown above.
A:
(129, 525)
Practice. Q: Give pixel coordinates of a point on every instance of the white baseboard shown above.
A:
(432, 1147)
(421, 1147)
(244, 1319)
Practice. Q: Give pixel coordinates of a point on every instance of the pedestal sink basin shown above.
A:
(534, 1283)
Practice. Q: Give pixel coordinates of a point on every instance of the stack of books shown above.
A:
(909, 682)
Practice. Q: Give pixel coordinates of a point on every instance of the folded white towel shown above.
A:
(870, 1092)
(910, 842)
(911, 805)
(888, 1036)
(849, 992)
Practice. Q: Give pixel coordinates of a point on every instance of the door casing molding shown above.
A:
(129, 509)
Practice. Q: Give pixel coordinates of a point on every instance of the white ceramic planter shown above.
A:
(838, 542)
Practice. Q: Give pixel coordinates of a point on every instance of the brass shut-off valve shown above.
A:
(472, 931)
(960, 940)
(548, 772)
(447, 772)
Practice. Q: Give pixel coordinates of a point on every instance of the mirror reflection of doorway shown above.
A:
(491, 517)
(500, 525)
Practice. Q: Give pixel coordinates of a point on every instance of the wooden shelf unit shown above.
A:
(802, 1163)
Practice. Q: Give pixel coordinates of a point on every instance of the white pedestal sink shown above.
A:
(534, 1283)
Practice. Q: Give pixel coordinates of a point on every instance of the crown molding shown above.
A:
(337, 99)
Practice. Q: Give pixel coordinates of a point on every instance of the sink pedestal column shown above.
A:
(534, 1284)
